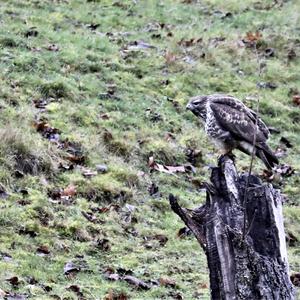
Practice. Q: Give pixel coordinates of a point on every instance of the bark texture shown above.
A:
(240, 228)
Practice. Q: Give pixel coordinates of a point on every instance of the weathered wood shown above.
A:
(245, 248)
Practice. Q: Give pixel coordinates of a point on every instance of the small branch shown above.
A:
(188, 221)
(250, 170)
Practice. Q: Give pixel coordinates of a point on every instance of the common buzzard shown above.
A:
(231, 124)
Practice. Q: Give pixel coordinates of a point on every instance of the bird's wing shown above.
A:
(237, 121)
(241, 107)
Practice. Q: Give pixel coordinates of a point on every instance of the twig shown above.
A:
(252, 155)
(189, 222)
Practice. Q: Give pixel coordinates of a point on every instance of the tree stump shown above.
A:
(240, 228)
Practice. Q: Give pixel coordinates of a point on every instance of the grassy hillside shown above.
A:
(89, 91)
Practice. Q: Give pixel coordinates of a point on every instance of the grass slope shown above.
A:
(85, 83)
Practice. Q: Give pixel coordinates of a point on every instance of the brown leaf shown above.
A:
(291, 239)
(103, 244)
(168, 169)
(253, 37)
(167, 282)
(161, 238)
(31, 32)
(43, 250)
(115, 296)
(91, 217)
(190, 42)
(76, 289)
(296, 100)
(137, 282)
(112, 276)
(170, 57)
(89, 173)
(284, 170)
(15, 296)
(13, 280)
(93, 26)
(183, 232)
(104, 116)
(285, 141)
(169, 136)
(153, 189)
(69, 191)
(48, 132)
(295, 279)
(52, 47)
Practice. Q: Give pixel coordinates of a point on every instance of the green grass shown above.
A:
(121, 102)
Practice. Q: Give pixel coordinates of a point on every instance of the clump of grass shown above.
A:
(24, 152)
(9, 42)
(55, 89)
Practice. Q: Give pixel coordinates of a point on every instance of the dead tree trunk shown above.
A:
(245, 248)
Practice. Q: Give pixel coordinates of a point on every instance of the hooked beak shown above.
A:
(189, 106)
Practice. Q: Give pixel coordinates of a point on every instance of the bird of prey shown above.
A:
(231, 124)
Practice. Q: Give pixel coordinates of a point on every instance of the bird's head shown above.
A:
(197, 105)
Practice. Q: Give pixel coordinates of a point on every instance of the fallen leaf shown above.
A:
(141, 174)
(296, 100)
(253, 36)
(3, 193)
(169, 136)
(291, 239)
(168, 282)
(161, 238)
(91, 217)
(291, 54)
(101, 169)
(267, 85)
(194, 156)
(103, 245)
(136, 282)
(104, 116)
(169, 169)
(2, 294)
(284, 170)
(112, 276)
(189, 43)
(70, 267)
(280, 152)
(286, 142)
(183, 232)
(153, 189)
(123, 271)
(52, 47)
(31, 32)
(89, 173)
(76, 289)
(15, 296)
(295, 279)
(93, 26)
(170, 57)
(274, 130)
(115, 296)
(28, 231)
(69, 191)
(43, 250)
(5, 256)
(13, 280)
(48, 132)
(269, 52)
(136, 45)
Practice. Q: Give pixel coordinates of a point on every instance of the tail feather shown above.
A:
(266, 155)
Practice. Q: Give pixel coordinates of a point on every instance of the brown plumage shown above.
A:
(231, 124)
